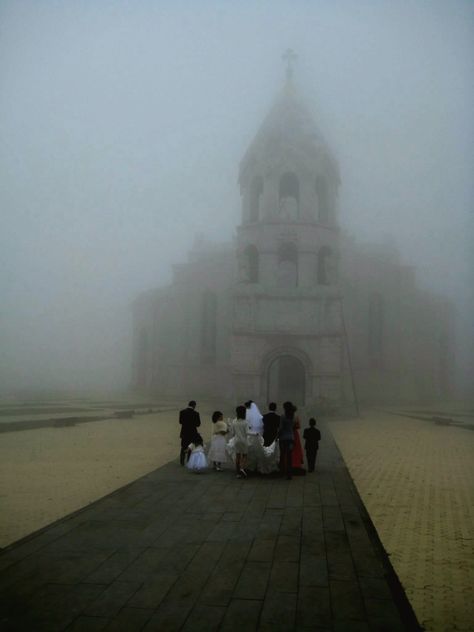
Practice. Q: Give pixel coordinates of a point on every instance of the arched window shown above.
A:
(208, 327)
(376, 325)
(287, 265)
(327, 269)
(289, 196)
(249, 265)
(322, 194)
(256, 194)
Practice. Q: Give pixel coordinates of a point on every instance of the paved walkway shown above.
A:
(179, 551)
(416, 478)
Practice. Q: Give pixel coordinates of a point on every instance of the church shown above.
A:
(293, 309)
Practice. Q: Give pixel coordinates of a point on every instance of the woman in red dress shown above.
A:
(297, 455)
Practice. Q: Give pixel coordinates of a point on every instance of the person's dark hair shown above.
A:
(192, 404)
(248, 404)
(240, 411)
(216, 416)
(272, 406)
(289, 410)
(197, 439)
(312, 421)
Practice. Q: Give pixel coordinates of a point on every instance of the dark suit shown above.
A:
(271, 423)
(312, 437)
(190, 421)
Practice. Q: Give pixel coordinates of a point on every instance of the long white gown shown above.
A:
(217, 448)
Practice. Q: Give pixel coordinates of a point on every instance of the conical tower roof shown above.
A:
(288, 131)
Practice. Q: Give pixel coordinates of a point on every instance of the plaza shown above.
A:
(172, 548)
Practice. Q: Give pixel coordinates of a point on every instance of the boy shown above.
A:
(311, 437)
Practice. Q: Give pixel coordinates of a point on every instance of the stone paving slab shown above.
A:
(180, 551)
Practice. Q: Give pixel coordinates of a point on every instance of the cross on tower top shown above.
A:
(289, 57)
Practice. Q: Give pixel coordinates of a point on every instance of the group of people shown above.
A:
(254, 442)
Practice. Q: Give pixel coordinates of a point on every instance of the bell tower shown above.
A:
(286, 325)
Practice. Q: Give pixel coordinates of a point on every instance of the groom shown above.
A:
(189, 420)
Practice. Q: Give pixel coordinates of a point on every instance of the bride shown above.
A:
(254, 418)
(260, 458)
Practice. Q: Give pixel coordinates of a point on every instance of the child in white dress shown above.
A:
(197, 461)
(217, 450)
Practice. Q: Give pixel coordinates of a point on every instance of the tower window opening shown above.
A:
(256, 196)
(249, 265)
(289, 196)
(322, 195)
(287, 265)
(327, 267)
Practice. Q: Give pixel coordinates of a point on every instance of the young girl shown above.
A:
(197, 459)
(240, 429)
(217, 450)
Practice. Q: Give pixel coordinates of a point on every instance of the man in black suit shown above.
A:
(189, 420)
(271, 423)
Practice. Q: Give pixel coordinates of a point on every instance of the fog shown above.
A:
(122, 125)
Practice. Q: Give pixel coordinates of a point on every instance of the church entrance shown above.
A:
(286, 380)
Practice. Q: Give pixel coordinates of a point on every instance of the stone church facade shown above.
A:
(293, 309)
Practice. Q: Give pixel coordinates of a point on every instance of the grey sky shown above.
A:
(122, 125)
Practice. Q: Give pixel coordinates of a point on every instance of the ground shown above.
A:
(415, 477)
(48, 472)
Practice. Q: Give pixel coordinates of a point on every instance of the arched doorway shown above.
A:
(286, 380)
